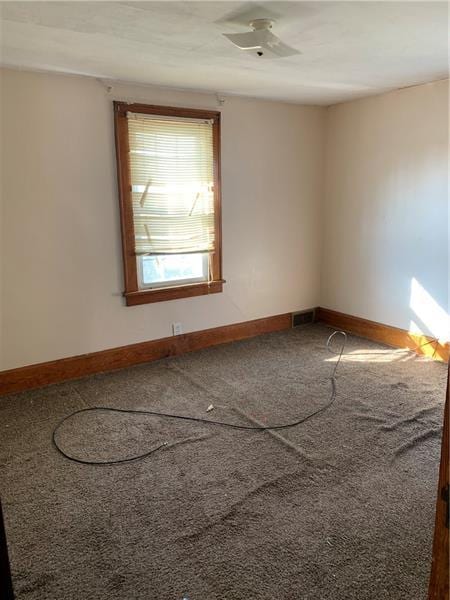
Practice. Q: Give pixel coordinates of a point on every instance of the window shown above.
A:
(168, 163)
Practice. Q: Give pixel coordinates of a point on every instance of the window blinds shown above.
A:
(172, 184)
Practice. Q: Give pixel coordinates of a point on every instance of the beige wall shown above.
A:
(385, 239)
(60, 244)
(367, 220)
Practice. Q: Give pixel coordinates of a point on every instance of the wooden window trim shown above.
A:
(134, 295)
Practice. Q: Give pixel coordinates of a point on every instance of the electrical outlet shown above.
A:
(177, 329)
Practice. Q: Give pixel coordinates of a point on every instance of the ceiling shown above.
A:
(349, 49)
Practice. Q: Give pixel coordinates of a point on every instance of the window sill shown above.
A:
(173, 293)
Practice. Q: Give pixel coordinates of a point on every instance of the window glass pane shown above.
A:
(173, 267)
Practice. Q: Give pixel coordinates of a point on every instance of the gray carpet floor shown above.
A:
(341, 507)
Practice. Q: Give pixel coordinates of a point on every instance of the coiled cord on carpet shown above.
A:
(198, 419)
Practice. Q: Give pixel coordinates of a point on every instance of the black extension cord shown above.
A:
(197, 419)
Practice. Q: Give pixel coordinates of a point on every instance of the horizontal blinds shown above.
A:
(172, 184)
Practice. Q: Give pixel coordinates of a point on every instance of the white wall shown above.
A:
(385, 246)
(60, 244)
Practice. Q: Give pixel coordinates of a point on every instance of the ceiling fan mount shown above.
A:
(261, 42)
(260, 24)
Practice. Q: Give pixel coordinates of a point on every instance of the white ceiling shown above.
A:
(349, 49)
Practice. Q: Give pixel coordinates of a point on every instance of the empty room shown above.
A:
(224, 300)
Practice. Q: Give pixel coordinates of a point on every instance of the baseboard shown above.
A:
(392, 336)
(74, 367)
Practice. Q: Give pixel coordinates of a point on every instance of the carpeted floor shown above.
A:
(343, 510)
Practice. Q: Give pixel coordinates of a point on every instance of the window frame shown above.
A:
(133, 294)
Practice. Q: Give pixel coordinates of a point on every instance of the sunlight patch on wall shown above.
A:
(431, 319)
(414, 328)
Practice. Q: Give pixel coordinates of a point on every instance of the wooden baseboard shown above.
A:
(74, 367)
(392, 336)
(56, 371)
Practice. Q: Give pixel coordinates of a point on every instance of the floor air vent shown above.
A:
(302, 318)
